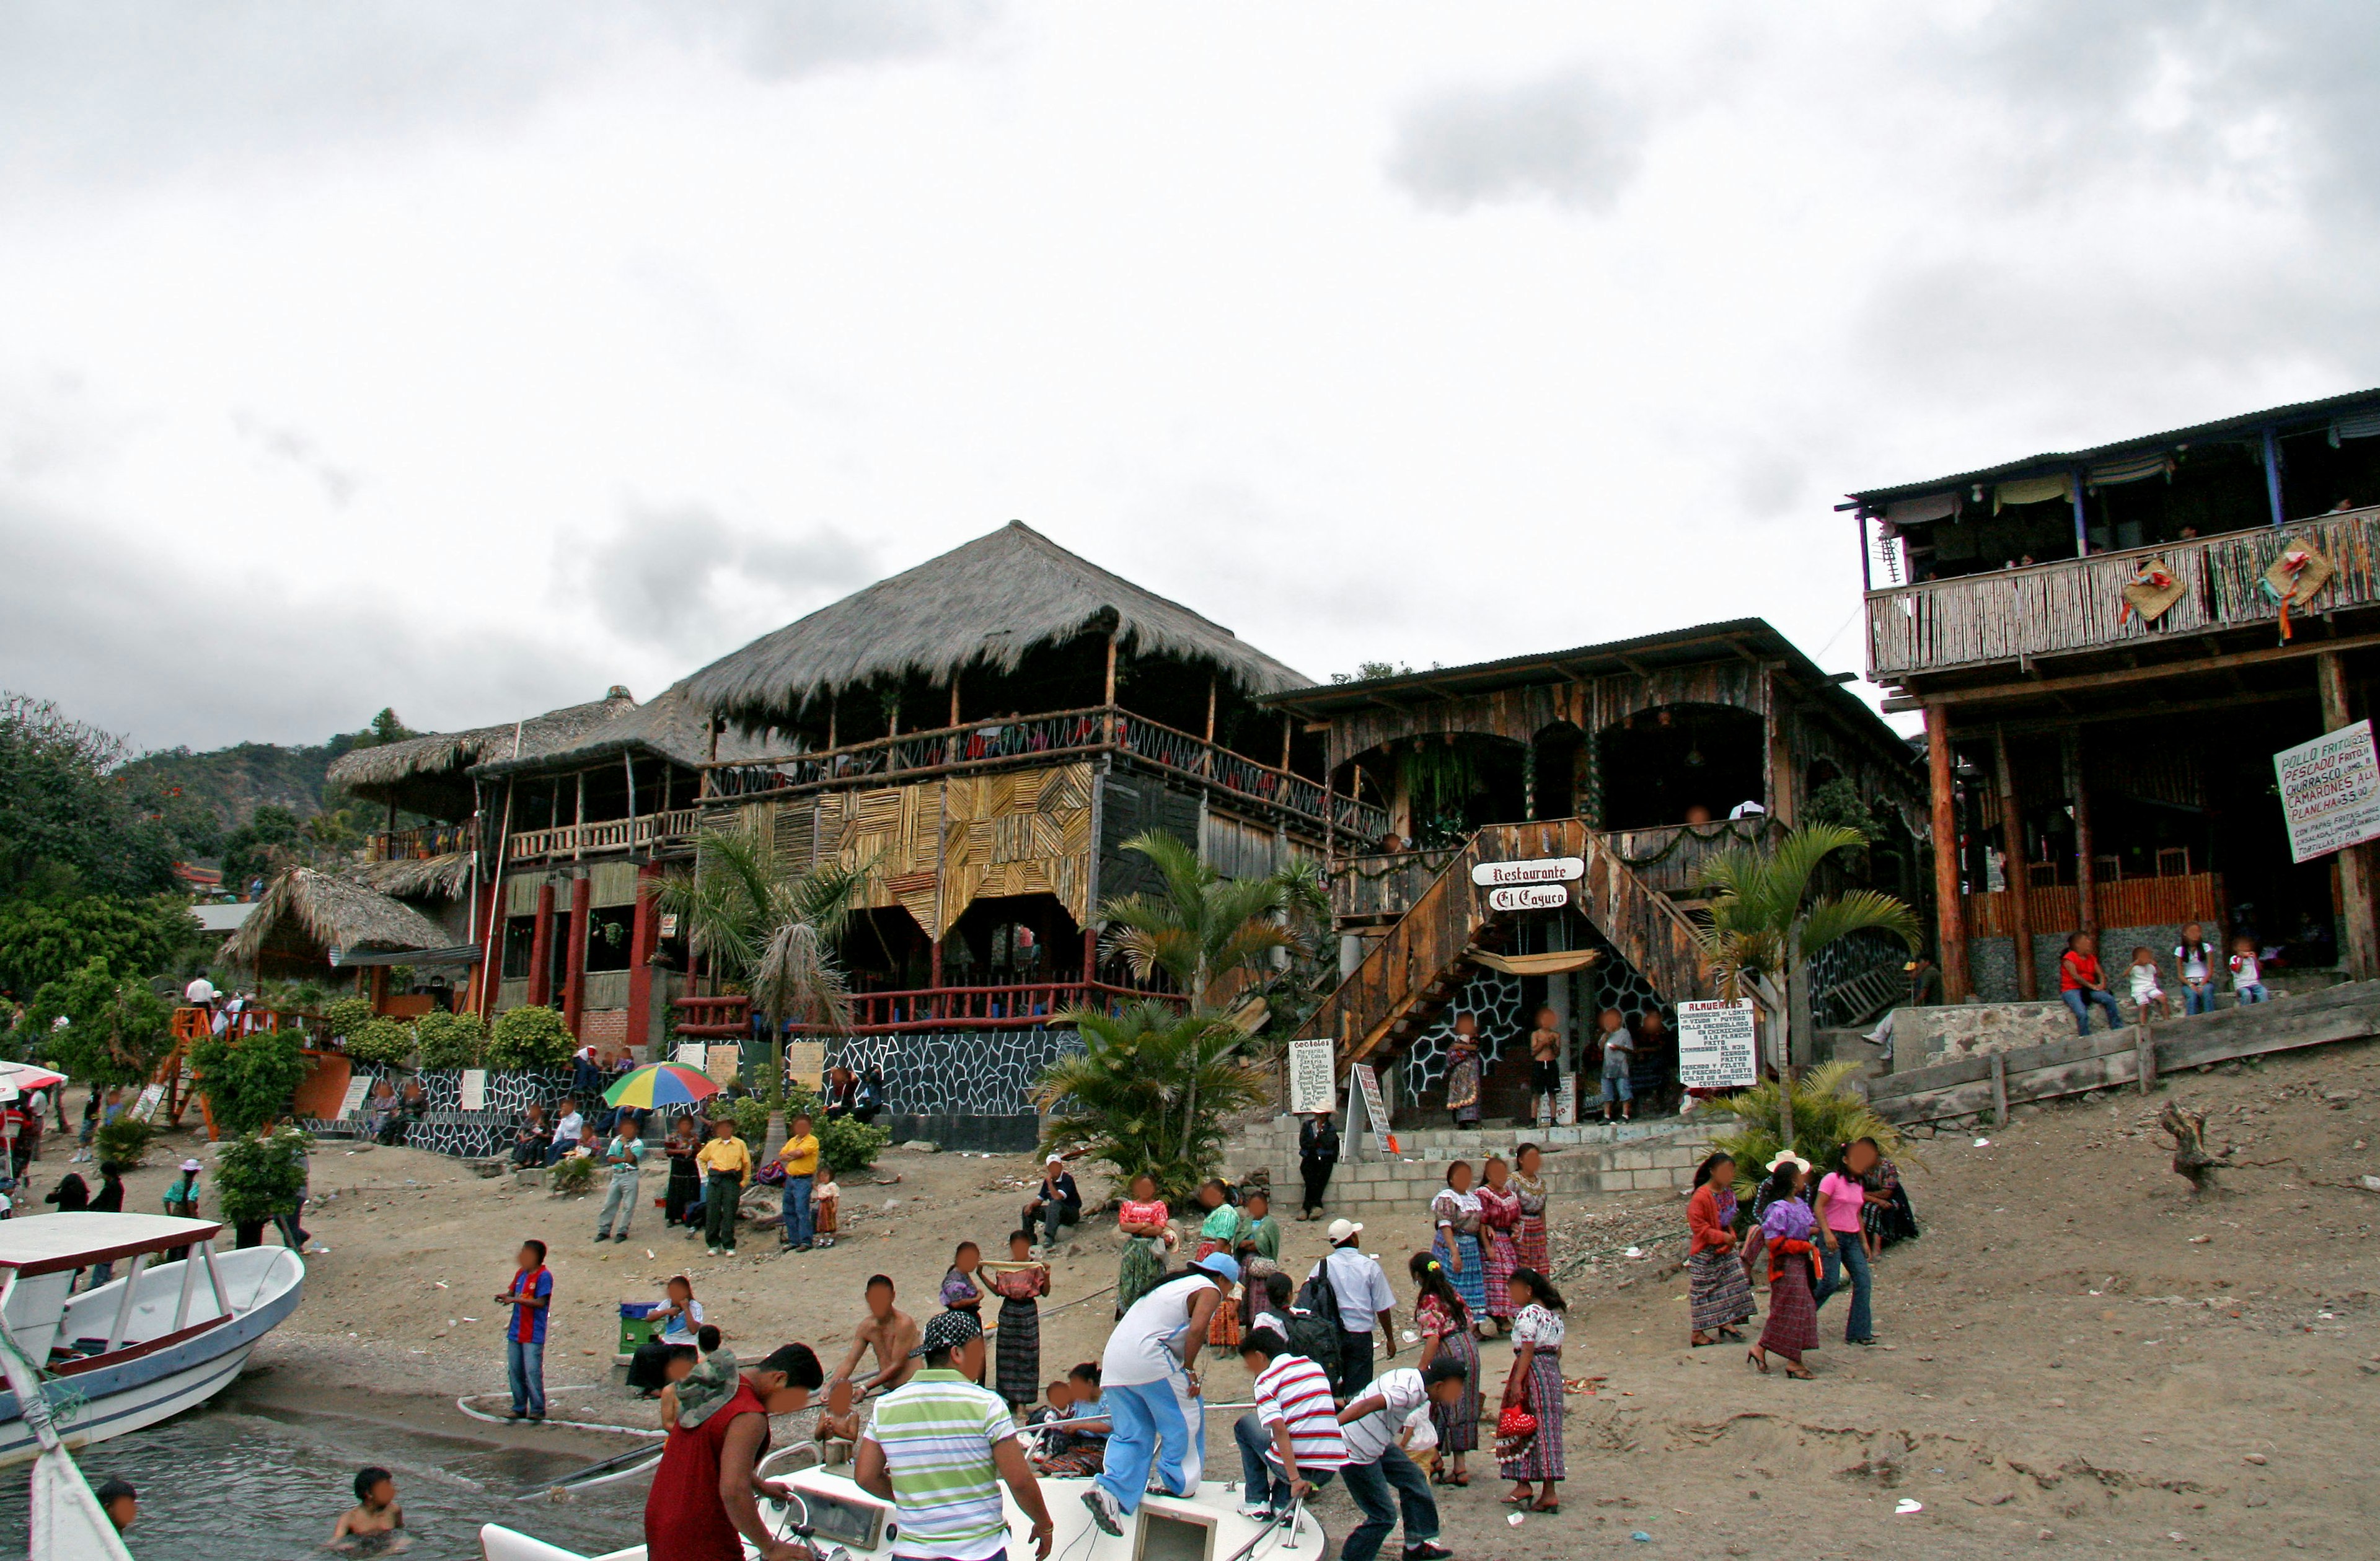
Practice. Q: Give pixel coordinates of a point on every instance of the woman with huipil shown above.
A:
(1500, 1218)
(1529, 1244)
(1536, 1384)
(1462, 1071)
(1719, 1295)
(1455, 1211)
(1791, 1248)
(1444, 1323)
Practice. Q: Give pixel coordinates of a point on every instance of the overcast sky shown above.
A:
(471, 357)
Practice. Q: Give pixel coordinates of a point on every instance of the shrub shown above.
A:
(532, 1039)
(380, 1042)
(1826, 1115)
(117, 1032)
(450, 1040)
(848, 1144)
(259, 1175)
(248, 1080)
(347, 1016)
(573, 1173)
(750, 1116)
(125, 1140)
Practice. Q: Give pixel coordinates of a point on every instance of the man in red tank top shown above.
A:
(704, 1496)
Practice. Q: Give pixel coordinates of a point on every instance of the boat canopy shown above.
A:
(44, 1244)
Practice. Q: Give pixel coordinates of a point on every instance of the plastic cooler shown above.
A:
(636, 1327)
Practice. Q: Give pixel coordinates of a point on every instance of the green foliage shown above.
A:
(248, 1080)
(347, 1016)
(572, 1173)
(67, 817)
(116, 1031)
(259, 1175)
(42, 939)
(386, 728)
(800, 1099)
(273, 840)
(1365, 672)
(1828, 1114)
(450, 1040)
(124, 1140)
(751, 1114)
(1204, 929)
(529, 1038)
(380, 1042)
(1141, 1075)
(849, 1145)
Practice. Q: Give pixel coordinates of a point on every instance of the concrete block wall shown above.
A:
(1659, 1158)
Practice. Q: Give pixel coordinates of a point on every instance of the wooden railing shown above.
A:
(1670, 857)
(2078, 604)
(1377, 888)
(939, 1008)
(1043, 739)
(419, 843)
(612, 834)
(2174, 901)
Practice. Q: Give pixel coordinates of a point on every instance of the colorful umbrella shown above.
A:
(662, 1083)
(30, 1076)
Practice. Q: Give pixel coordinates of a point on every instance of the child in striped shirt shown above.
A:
(1292, 1442)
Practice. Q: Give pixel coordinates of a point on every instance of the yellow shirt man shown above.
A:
(725, 1156)
(800, 1155)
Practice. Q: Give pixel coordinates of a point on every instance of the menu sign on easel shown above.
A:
(1367, 1111)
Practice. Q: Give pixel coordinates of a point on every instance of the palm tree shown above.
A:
(1206, 932)
(1120, 1096)
(771, 933)
(1762, 926)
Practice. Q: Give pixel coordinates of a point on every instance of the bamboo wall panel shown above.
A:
(2077, 604)
(2167, 902)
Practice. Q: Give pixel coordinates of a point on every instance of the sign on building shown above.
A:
(2330, 792)
(722, 1063)
(1717, 1045)
(1529, 897)
(473, 1089)
(350, 1104)
(805, 1063)
(1542, 870)
(1311, 1063)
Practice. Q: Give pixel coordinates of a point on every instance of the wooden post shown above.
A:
(1211, 681)
(1949, 918)
(1107, 698)
(954, 698)
(579, 821)
(2000, 1089)
(2143, 1057)
(2086, 868)
(574, 954)
(2019, 888)
(1284, 739)
(1784, 807)
(2355, 866)
(541, 949)
(832, 700)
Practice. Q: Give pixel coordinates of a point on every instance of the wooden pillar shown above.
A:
(2020, 885)
(1211, 682)
(541, 949)
(1284, 739)
(1949, 918)
(832, 702)
(578, 821)
(1107, 698)
(643, 936)
(1783, 805)
(2086, 868)
(574, 954)
(2355, 864)
(379, 987)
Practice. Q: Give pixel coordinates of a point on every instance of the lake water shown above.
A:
(228, 1483)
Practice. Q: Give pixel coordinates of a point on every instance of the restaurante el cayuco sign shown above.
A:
(1542, 870)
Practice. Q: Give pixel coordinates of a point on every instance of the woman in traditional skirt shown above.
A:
(1258, 1250)
(1499, 1219)
(1147, 1231)
(1717, 1293)
(1529, 1247)
(1220, 1231)
(1792, 1249)
(1537, 1385)
(1017, 1347)
(1444, 1323)
(1462, 1071)
(685, 1176)
(1456, 1211)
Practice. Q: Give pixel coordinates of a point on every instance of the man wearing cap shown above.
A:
(182, 1202)
(1364, 1297)
(705, 1498)
(939, 1448)
(1056, 1206)
(1150, 1392)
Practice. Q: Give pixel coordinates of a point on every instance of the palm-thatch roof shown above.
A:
(988, 602)
(412, 877)
(669, 726)
(430, 775)
(304, 915)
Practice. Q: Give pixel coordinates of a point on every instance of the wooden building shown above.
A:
(2108, 647)
(1642, 758)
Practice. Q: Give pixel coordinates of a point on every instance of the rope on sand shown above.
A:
(464, 1404)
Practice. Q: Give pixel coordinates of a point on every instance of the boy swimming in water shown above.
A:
(376, 1521)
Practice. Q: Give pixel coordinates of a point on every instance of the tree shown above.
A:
(248, 1080)
(67, 819)
(768, 932)
(116, 1031)
(259, 1175)
(44, 940)
(1762, 926)
(533, 1039)
(1127, 1095)
(386, 728)
(273, 840)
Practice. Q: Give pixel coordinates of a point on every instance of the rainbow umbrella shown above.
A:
(662, 1083)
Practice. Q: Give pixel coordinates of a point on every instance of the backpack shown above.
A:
(1314, 1325)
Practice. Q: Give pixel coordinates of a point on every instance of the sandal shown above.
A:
(1800, 1373)
(1752, 1358)
(1735, 1334)
(1699, 1340)
(1544, 1506)
(1518, 1498)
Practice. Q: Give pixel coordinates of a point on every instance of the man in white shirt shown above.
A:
(567, 1132)
(1292, 1442)
(199, 993)
(1150, 1390)
(1364, 1297)
(1384, 1482)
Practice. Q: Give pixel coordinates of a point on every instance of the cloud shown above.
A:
(287, 444)
(681, 575)
(1566, 137)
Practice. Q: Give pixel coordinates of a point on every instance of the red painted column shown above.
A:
(642, 936)
(541, 947)
(574, 954)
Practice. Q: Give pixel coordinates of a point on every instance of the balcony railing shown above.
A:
(419, 843)
(2078, 604)
(941, 1007)
(1377, 888)
(1042, 739)
(610, 834)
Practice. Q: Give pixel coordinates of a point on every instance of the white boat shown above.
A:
(157, 1340)
(842, 1521)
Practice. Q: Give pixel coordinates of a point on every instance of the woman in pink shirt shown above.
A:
(1842, 1197)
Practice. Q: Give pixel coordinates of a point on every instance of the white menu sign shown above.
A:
(1718, 1046)
(2330, 792)
(1311, 1063)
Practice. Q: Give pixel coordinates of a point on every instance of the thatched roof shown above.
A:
(429, 774)
(303, 915)
(669, 726)
(413, 877)
(988, 602)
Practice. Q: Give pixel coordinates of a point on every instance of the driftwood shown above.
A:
(2190, 1157)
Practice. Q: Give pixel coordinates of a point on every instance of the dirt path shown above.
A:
(2078, 1356)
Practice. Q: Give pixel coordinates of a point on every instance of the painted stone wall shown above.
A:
(1992, 963)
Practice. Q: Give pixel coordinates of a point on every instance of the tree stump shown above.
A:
(2190, 1159)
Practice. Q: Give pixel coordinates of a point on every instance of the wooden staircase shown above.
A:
(1409, 977)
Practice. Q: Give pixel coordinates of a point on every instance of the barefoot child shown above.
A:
(375, 1511)
(838, 1428)
(826, 1203)
(2146, 994)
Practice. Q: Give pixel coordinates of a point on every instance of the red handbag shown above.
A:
(1515, 1429)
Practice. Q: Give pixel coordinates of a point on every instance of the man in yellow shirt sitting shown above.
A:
(799, 1158)
(725, 1162)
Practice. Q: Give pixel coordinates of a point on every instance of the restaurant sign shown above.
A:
(2330, 792)
(1542, 870)
(1529, 897)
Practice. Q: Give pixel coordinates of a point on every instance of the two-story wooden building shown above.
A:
(2108, 647)
(1640, 757)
